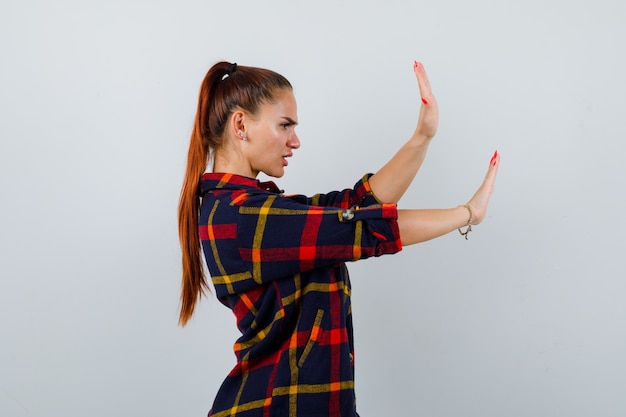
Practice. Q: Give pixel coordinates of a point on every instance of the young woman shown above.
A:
(278, 261)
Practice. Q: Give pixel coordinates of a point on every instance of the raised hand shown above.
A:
(428, 120)
(480, 200)
(425, 224)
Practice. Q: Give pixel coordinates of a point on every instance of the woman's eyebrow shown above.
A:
(290, 120)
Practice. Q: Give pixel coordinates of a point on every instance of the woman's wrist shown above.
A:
(467, 211)
(470, 214)
(420, 140)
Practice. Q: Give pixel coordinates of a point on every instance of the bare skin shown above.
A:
(260, 142)
(393, 179)
(263, 142)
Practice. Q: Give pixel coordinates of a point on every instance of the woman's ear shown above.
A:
(238, 124)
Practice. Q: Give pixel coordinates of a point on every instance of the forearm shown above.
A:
(421, 225)
(393, 179)
(391, 182)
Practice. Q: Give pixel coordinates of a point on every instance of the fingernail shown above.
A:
(494, 158)
(424, 100)
(415, 64)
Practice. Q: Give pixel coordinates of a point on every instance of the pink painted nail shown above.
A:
(424, 100)
(415, 65)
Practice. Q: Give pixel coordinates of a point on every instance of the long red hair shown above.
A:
(225, 87)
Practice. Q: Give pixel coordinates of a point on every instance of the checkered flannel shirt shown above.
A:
(278, 262)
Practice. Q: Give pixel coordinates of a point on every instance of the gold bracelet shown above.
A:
(469, 222)
(471, 215)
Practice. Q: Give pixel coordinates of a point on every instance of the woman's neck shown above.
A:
(232, 162)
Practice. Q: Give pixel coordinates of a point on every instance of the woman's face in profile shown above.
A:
(271, 135)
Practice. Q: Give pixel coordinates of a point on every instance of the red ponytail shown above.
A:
(245, 88)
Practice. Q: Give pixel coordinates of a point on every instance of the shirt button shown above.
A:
(348, 214)
(351, 358)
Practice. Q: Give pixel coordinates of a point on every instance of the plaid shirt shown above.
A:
(278, 262)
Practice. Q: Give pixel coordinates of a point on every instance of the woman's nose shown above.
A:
(294, 141)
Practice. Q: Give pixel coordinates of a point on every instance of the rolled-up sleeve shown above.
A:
(281, 236)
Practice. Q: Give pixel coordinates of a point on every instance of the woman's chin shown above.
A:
(277, 173)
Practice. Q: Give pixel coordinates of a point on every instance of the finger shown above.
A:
(494, 164)
(422, 80)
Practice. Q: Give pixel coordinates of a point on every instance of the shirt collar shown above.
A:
(219, 180)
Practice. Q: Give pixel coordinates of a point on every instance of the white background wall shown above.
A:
(526, 318)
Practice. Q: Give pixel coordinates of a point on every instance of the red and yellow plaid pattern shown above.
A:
(279, 263)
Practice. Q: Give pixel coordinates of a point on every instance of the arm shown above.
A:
(275, 237)
(421, 225)
(393, 179)
(359, 195)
